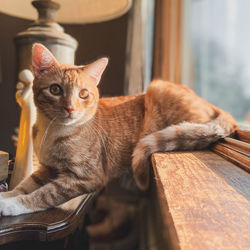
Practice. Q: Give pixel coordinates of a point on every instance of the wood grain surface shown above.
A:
(239, 157)
(237, 145)
(235, 150)
(46, 226)
(207, 199)
(243, 135)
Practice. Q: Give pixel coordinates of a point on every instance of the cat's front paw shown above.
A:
(11, 206)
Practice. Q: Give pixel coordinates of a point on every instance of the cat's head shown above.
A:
(65, 93)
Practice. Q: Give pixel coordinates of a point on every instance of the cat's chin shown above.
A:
(68, 121)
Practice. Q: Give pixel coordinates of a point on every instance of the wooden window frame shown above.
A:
(167, 40)
(236, 150)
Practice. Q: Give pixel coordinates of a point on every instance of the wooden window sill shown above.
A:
(203, 200)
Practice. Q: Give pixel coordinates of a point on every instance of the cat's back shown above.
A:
(174, 92)
(177, 103)
(121, 100)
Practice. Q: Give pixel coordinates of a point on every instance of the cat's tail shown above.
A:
(183, 136)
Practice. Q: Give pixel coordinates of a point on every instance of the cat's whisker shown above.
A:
(45, 133)
(109, 140)
(100, 136)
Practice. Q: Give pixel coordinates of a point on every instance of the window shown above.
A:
(216, 42)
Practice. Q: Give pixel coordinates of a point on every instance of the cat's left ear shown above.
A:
(42, 59)
(96, 69)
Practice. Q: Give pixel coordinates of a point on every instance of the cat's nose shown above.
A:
(70, 110)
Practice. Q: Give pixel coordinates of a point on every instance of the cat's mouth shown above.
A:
(71, 118)
(68, 120)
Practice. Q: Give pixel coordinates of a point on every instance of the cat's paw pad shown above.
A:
(10, 207)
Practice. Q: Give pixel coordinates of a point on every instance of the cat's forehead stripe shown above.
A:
(77, 68)
(74, 76)
(71, 76)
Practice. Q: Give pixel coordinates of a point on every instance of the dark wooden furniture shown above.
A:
(201, 199)
(48, 226)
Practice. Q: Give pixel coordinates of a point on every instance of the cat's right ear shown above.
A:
(42, 59)
(95, 69)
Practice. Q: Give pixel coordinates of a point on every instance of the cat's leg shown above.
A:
(30, 183)
(54, 193)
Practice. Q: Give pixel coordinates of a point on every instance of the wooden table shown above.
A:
(47, 226)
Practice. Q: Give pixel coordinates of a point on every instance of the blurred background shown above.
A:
(220, 38)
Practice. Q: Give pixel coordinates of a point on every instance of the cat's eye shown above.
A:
(84, 94)
(55, 89)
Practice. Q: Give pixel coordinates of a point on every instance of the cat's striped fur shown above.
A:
(82, 150)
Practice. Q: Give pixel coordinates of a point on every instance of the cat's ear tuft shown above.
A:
(96, 69)
(42, 59)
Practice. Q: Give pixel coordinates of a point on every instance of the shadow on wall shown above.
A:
(95, 40)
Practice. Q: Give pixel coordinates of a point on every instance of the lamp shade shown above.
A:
(71, 11)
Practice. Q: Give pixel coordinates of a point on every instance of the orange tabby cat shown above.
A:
(82, 142)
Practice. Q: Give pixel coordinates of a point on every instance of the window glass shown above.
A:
(219, 33)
